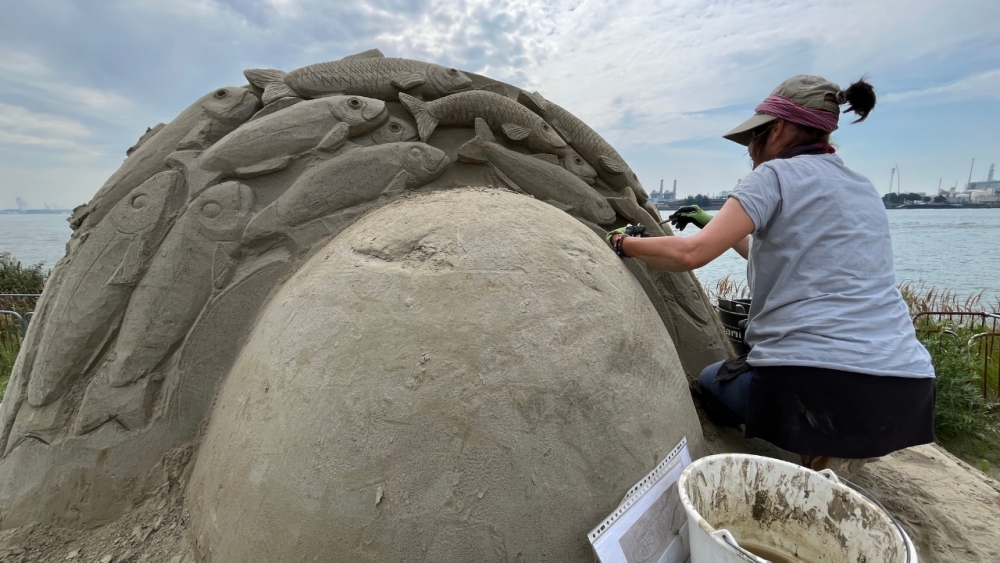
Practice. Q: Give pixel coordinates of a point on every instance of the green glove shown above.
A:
(620, 231)
(687, 215)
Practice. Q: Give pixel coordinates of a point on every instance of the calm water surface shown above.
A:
(957, 249)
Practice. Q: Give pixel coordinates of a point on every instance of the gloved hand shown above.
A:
(611, 234)
(687, 215)
(637, 230)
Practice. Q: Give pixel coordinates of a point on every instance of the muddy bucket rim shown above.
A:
(856, 493)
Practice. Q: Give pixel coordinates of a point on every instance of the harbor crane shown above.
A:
(21, 205)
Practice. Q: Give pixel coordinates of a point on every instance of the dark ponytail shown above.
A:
(861, 96)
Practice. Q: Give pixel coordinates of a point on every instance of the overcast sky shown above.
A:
(81, 81)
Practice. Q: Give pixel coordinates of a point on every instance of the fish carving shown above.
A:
(194, 257)
(272, 142)
(355, 177)
(610, 165)
(517, 122)
(572, 161)
(395, 130)
(365, 74)
(206, 121)
(95, 285)
(547, 181)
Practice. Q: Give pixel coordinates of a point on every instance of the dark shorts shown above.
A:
(825, 412)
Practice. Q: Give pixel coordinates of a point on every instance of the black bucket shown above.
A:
(734, 314)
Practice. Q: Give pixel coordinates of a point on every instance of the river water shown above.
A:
(955, 249)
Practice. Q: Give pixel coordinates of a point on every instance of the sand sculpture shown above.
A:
(393, 273)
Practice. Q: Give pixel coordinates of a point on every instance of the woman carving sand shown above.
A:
(835, 370)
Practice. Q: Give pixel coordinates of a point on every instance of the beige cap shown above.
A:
(813, 92)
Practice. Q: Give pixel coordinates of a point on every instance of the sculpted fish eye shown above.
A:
(415, 152)
(221, 93)
(577, 160)
(354, 103)
(211, 209)
(394, 127)
(452, 72)
(545, 127)
(139, 201)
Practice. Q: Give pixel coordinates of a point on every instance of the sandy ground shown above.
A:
(949, 509)
(155, 531)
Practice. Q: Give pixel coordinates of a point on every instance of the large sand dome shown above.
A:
(456, 375)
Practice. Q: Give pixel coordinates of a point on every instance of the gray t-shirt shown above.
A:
(821, 274)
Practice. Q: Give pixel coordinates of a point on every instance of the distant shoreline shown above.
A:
(36, 212)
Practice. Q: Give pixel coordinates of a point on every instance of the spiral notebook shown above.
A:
(650, 525)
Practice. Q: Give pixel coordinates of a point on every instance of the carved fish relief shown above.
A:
(395, 130)
(546, 180)
(17, 385)
(517, 122)
(271, 143)
(357, 176)
(196, 254)
(96, 285)
(364, 74)
(204, 122)
(577, 165)
(610, 165)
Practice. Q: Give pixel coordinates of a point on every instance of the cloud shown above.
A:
(22, 127)
(642, 62)
(649, 73)
(30, 75)
(984, 85)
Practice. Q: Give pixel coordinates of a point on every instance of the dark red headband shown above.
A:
(780, 106)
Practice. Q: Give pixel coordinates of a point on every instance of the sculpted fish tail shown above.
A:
(472, 151)
(426, 123)
(272, 81)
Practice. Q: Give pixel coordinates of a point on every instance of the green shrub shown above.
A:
(962, 410)
(15, 278)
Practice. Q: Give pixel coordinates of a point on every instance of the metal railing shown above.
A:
(984, 344)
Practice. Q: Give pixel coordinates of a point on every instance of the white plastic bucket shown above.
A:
(796, 514)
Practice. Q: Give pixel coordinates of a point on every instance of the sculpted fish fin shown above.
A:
(269, 166)
(550, 158)
(223, 265)
(407, 81)
(611, 165)
(426, 123)
(496, 88)
(199, 138)
(273, 83)
(335, 139)
(535, 102)
(501, 180)
(562, 131)
(472, 151)
(197, 178)
(133, 264)
(398, 183)
(369, 54)
(515, 132)
(263, 225)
